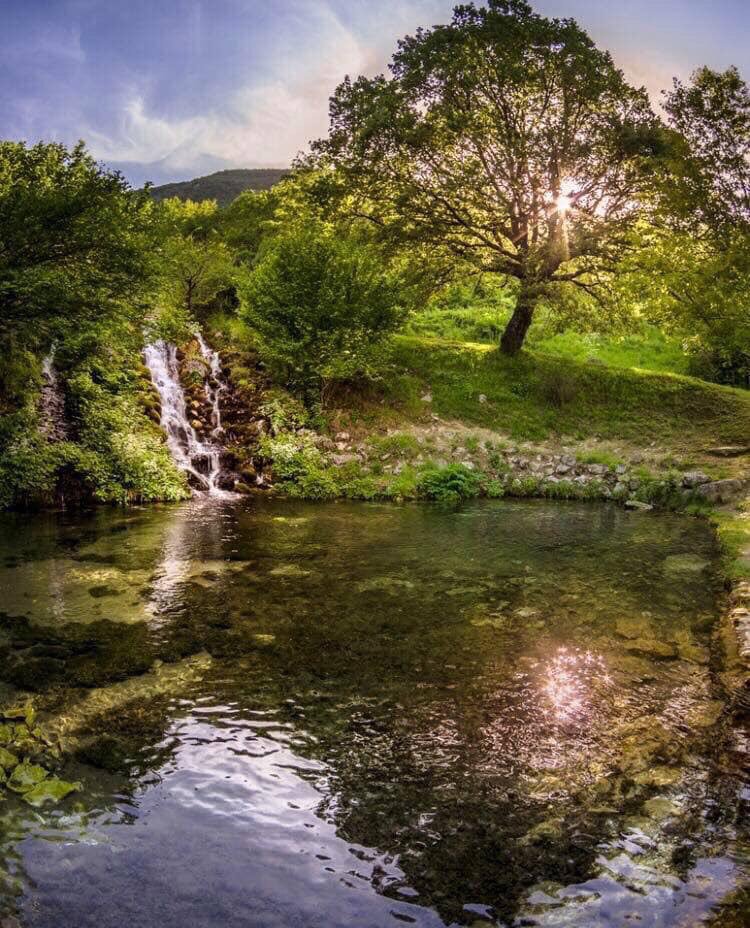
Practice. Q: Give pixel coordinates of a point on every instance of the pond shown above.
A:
(287, 714)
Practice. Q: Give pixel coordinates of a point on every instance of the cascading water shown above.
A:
(215, 385)
(201, 460)
(52, 403)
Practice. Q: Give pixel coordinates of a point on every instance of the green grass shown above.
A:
(536, 396)
(648, 348)
(733, 531)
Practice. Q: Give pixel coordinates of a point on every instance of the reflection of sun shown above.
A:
(569, 678)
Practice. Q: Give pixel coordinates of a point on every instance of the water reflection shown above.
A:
(346, 715)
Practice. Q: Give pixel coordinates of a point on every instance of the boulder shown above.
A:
(721, 491)
(638, 505)
(694, 478)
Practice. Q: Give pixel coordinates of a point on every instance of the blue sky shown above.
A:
(167, 89)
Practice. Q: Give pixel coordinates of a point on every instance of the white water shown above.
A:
(52, 403)
(215, 385)
(201, 460)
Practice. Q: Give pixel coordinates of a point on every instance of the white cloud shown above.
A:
(260, 123)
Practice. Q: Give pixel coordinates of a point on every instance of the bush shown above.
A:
(321, 306)
(448, 484)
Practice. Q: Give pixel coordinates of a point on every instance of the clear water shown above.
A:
(367, 715)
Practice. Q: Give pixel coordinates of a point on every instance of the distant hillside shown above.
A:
(223, 186)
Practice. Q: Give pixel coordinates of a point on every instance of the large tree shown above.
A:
(504, 139)
(73, 241)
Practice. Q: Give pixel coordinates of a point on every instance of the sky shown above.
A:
(171, 89)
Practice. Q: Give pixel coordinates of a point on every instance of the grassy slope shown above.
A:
(538, 396)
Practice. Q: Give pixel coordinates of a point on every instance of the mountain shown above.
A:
(222, 186)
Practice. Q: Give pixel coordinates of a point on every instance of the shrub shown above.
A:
(448, 484)
(321, 305)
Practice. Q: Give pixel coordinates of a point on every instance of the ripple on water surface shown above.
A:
(295, 715)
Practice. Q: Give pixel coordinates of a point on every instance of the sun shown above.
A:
(564, 203)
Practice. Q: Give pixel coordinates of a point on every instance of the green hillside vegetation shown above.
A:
(222, 186)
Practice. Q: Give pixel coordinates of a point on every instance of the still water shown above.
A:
(324, 716)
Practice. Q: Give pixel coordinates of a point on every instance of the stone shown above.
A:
(638, 505)
(341, 459)
(652, 647)
(598, 470)
(729, 451)
(621, 469)
(7, 760)
(721, 491)
(342, 436)
(633, 627)
(659, 808)
(659, 776)
(482, 398)
(694, 478)
(427, 398)
(679, 563)
(25, 776)
(50, 790)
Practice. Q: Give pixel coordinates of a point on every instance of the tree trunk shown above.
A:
(516, 329)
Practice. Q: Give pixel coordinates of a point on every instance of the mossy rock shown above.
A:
(7, 760)
(6, 734)
(20, 713)
(25, 777)
(50, 790)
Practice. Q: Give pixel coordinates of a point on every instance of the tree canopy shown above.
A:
(505, 139)
(73, 239)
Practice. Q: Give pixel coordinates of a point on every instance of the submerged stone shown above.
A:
(684, 562)
(660, 650)
(289, 570)
(7, 760)
(50, 790)
(26, 776)
(659, 808)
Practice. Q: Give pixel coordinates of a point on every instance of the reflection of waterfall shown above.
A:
(201, 460)
(52, 403)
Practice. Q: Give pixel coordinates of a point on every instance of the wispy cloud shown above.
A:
(170, 87)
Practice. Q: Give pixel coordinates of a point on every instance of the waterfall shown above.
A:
(52, 403)
(201, 460)
(214, 386)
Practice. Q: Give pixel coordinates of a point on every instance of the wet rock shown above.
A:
(706, 714)
(659, 776)
(660, 650)
(50, 790)
(637, 505)
(634, 627)
(289, 570)
(25, 776)
(659, 808)
(7, 760)
(679, 563)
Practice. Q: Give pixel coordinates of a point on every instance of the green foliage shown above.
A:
(448, 484)
(484, 124)
(321, 305)
(75, 242)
